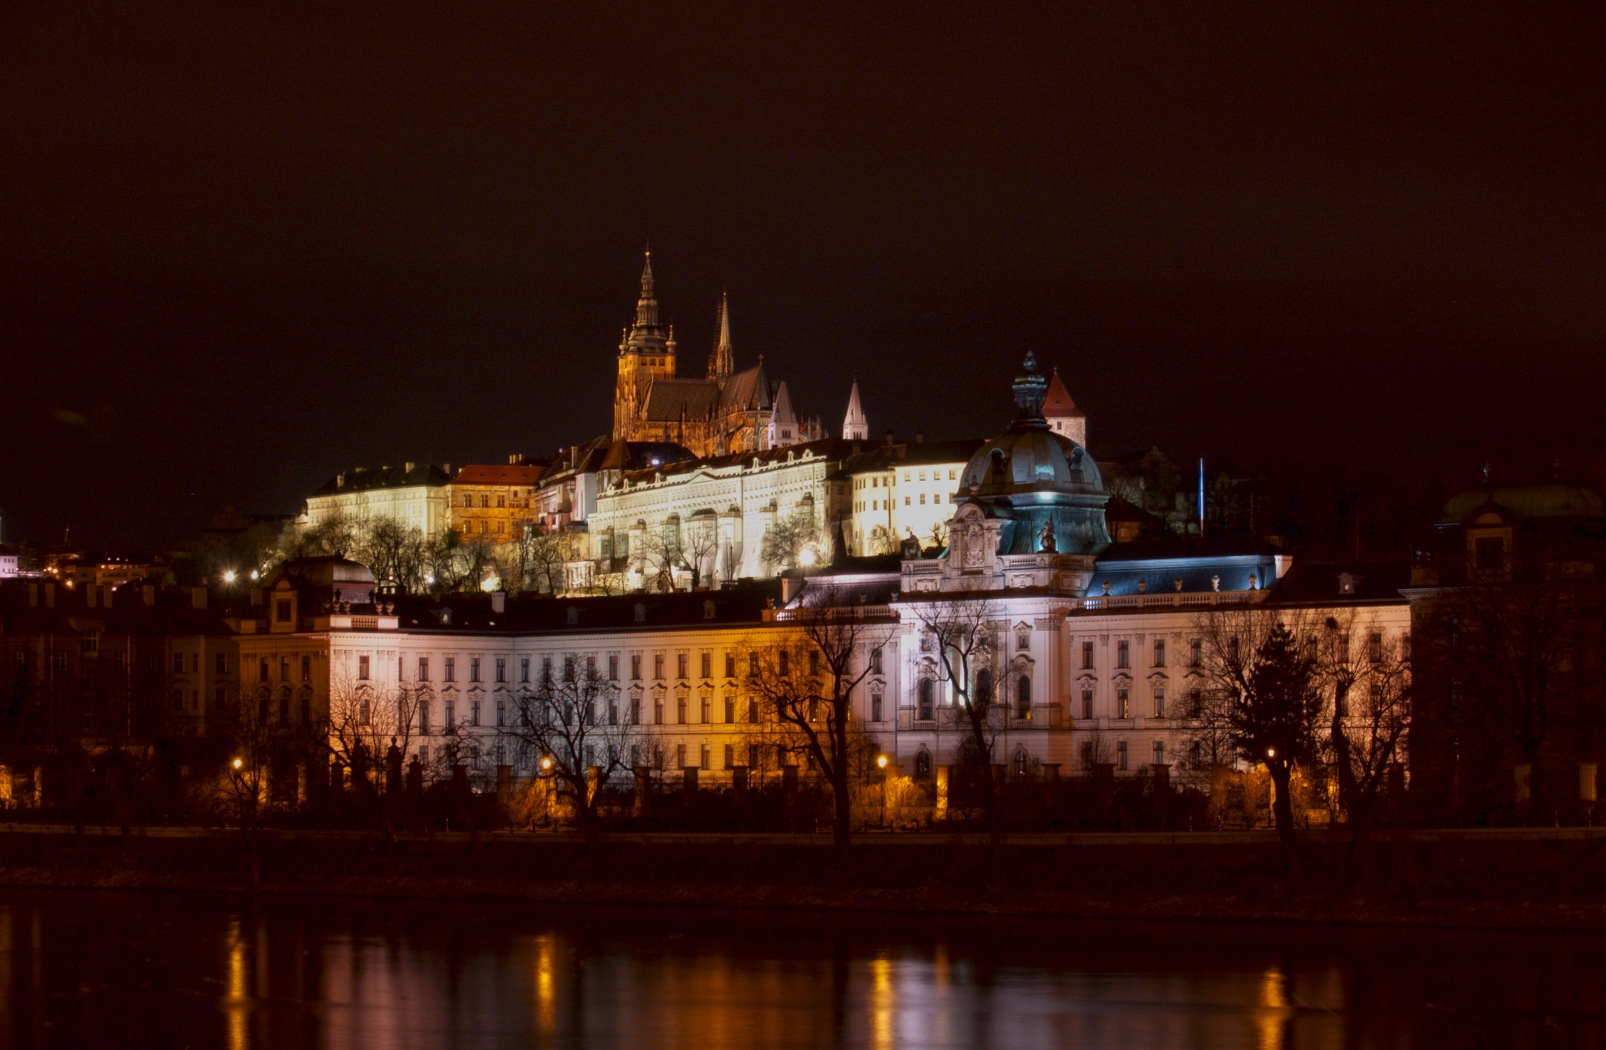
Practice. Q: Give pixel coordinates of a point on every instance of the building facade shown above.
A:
(494, 502)
(416, 494)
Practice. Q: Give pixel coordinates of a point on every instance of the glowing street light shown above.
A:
(546, 763)
(881, 761)
(228, 577)
(807, 557)
(238, 763)
(1271, 752)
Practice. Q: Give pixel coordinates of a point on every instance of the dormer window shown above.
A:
(1489, 553)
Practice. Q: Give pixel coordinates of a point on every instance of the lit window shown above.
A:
(362, 668)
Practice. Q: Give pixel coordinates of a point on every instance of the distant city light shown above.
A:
(238, 763)
(228, 577)
(253, 574)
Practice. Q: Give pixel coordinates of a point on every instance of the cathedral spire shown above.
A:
(722, 361)
(647, 305)
(855, 426)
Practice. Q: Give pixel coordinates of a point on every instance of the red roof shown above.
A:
(1057, 402)
(478, 474)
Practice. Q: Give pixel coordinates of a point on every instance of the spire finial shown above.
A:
(722, 362)
(1030, 389)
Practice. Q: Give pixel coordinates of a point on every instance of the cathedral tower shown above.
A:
(722, 362)
(646, 353)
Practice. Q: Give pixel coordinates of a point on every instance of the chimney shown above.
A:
(50, 595)
(340, 481)
(790, 585)
(149, 594)
(33, 594)
(920, 436)
(448, 468)
(410, 465)
(499, 602)
(889, 437)
(515, 459)
(198, 597)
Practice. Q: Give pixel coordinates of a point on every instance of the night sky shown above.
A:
(248, 246)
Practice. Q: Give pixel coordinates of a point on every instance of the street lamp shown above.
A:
(228, 577)
(238, 763)
(881, 764)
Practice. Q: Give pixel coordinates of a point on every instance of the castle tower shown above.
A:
(855, 426)
(1061, 412)
(722, 361)
(646, 352)
(782, 430)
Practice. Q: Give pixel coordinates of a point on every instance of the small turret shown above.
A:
(855, 425)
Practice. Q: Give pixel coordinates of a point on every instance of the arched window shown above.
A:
(923, 765)
(1023, 697)
(1023, 765)
(984, 687)
(928, 699)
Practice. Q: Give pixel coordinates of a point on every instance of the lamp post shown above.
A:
(881, 764)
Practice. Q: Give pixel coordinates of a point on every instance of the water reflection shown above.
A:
(109, 969)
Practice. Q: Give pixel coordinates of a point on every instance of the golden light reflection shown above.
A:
(1273, 1009)
(545, 986)
(883, 1004)
(235, 1002)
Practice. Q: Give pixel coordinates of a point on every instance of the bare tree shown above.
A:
(1368, 680)
(366, 719)
(662, 551)
(938, 535)
(700, 546)
(804, 678)
(538, 561)
(1263, 694)
(881, 541)
(962, 635)
(784, 544)
(396, 553)
(576, 728)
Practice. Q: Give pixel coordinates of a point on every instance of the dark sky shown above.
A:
(247, 246)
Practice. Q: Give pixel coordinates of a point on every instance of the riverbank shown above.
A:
(1521, 878)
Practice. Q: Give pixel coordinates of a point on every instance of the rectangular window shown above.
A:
(524, 668)
(707, 705)
(262, 669)
(1195, 703)
(1195, 756)
(281, 610)
(1159, 752)
(474, 712)
(284, 668)
(178, 663)
(1491, 553)
(1087, 656)
(708, 665)
(680, 710)
(1087, 703)
(814, 661)
(752, 710)
(657, 710)
(568, 668)
(1196, 652)
(222, 663)
(1159, 701)
(1159, 652)
(783, 661)
(703, 759)
(680, 756)
(613, 667)
(730, 708)
(195, 658)
(449, 669)
(927, 700)
(1120, 754)
(635, 667)
(730, 756)
(1374, 647)
(752, 665)
(730, 665)
(501, 712)
(451, 716)
(1123, 654)
(681, 660)
(363, 669)
(546, 669)
(1088, 756)
(1123, 703)
(423, 719)
(591, 668)
(423, 668)
(875, 661)
(875, 707)
(658, 666)
(501, 668)
(473, 669)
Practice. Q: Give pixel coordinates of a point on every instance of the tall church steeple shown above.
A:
(646, 352)
(855, 426)
(722, 362)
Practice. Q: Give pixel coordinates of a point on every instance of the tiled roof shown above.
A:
(491, 474)
(1057, 403)
(384, 478)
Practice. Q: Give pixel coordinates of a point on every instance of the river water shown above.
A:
(108, 969)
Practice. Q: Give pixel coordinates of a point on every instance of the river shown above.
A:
(111, 969)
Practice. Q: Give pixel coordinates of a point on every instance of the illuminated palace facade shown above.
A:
(1093, 652)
